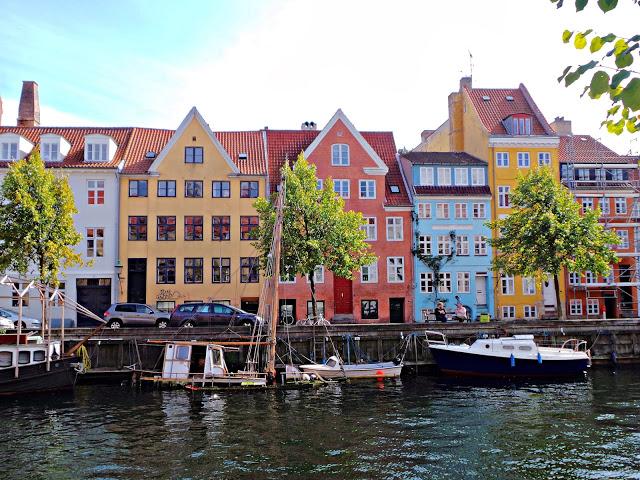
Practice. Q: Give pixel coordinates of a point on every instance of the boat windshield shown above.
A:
(331, 362)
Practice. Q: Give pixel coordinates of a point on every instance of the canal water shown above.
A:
(424, 427)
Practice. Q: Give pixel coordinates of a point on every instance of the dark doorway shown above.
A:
(95, 295)
(396, 310)
(137, 280)
(343, 296)
(249, 304)
(287, 310)
(610, 304)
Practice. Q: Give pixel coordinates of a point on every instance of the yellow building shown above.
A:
(186, 215)
(505, 128)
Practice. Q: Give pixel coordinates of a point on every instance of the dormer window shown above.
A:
(340, 155)
(97, 152)
(9, 150)
(518, 124)
(99, 148)
(13, 147)
(53, 148)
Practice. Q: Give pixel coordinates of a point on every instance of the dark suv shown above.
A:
(209, 314)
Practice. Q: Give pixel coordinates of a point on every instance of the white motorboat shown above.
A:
(334, 368)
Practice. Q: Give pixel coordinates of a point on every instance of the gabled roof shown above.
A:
(494, 110)
(452, 190)
(586, 149)
(443, 158)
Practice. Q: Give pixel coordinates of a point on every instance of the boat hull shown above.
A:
(35, 378)
(381, 370)
(472, 364)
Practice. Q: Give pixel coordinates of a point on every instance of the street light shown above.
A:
(118, 267)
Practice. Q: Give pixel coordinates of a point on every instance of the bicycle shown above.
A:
(288, 319)
(314, 321)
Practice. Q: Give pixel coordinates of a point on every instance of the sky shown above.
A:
(389, 65)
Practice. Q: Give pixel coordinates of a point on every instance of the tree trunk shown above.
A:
(559, 305)
(312, 286)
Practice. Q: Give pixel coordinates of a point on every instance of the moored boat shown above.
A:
(516, 356)
(334, 368)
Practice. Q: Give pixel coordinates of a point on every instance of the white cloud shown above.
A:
(48, 116)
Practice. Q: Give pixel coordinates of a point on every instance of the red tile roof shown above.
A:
(385, 146)
(586, 149)
(452, 190)
(144, 140)
(497, 108)
(250, 143)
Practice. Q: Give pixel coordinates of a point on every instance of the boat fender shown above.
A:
(539, 358)
(513, 360)
(306, 377)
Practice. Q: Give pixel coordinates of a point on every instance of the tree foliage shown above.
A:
(436, 263)
(546, 232)
(36, 221)
(610, 69)
(316, 229)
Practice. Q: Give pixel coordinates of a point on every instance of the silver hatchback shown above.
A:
(135, 314)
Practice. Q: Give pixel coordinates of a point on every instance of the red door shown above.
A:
(342, 294)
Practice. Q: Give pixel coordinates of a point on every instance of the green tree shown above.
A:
(612, 56)
(36, 221)
(546, 232)
(316, 229)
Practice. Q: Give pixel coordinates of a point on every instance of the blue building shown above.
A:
(451, 204)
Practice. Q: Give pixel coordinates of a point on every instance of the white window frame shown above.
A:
(502, 159)
(318, 275)
(342, 159)
(372, 273)
(461, 176)
(463, 282)
(605, 206)
(445, 283)
(507, 286)
(544, 159)
(426, 176)
(508, 312)
(623, 235)
(442, 211)
(424, 244)
(479, 210)
(587, 203)
(574, 278)
(530, 311)
(444, 176)
(589, 278)
(319, 184)
(462, 245)
(504, 196)
(444, 244)
(337, 187)
(92, 252)
(426, 282)
(46, 151)
(620, 205)
(395, 227)
(461, 210)
(575, 306)
(528, 286)
(96, 150)
(9, 148)
(524, 160)
(591, 303)
(477, 177)
(95, 187)
(479, 245)
(395, 270)
(371, 229)
(424, 210)
(369, 189)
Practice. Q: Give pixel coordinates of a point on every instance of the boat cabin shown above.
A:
(523, 344)
(30, 350)
(184, 360)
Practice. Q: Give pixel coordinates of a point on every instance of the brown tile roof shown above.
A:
(586, 149)
(250, 143)
(144, 140)
(442, 158)
(287, 144)
(497, 108)
(452, 190)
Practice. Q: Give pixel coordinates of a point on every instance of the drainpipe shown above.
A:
(117, 236)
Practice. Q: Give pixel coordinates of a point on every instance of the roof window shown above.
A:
(99, 148)
(518, 124)
(394, 188)
(53, 148)
(150, 154)
(509, 98)
(14, 147)
(243, 156)
(486, 98)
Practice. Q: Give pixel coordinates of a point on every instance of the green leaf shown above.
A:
(580, 4)
(619, 77)
(616, 127)
(609, 38)
(620, 46)
(570, 78)
(587, 66)
(607, 5)
(632, 126)
(566, 36)
(599, 84)
(625, 113)
(624, 60)
(630, 95)
(612, 111)
(564, 73)
(596, 44)
(580, 41)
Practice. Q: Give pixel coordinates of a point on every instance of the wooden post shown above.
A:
(47, 316)
(19, 329)
(62, 326)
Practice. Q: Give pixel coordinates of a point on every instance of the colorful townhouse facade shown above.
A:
(599, 178)
(365, 172)
(451, 204)
(505, 128)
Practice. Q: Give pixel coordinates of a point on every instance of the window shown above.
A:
(544, 159)
(95, 192)
(444, 245)
(445, 282)
(479, 210)
(166, 188)
(528, 286)
(477, 177)
(424, 210)
(424, 244)
(587, 204)
(166, 229)
(605, 206)
(138, 228)
(575, 306)
(623, 235)
(426, 175)
(367, 189)
(370, 228)
(462, 245)
(530, 311)
(249, 189)
(287, 276)
(319, 307)
(193, 228)
(137, 188)
(319, 184)
(593, 306)
(461, 210)
(6, 359)
(502, 159)
(509, 312)
(574, 278)
(95, 242)
(464, 282)
(524, 160)
(621, 205)
(589, 277)
(249, 270)
(518, 125)
(462, 176)
(248, 227)
(193, 188)
(9, 150)
(166, 270)
(341, 187)
(339, 155)
(395, 269)
(479, 245)
(369, 273)
(503, 196)
(50, 152)
(444, 176)
(318, 274)
(394, 229)
(39, 356)
(221, 228)
(442, 210)
(506, 283)
(193, 154)
(193, 270)
(24, 358)
(426, 282)
(166, 306)
(220, 189)
(97, 152)
(15, 302)
(369, 309)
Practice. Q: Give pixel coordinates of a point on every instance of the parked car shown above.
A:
(135, 314)
(209, 314)
(27, 322)
(6, 324)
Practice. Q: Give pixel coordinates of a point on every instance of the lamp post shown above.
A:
(118, 269)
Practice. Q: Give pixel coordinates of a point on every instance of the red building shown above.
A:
(600, 178)
(365, 172)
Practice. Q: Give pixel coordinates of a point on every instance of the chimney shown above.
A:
(308, 126)
(465, 82)
(29, 109)
(561, 126)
